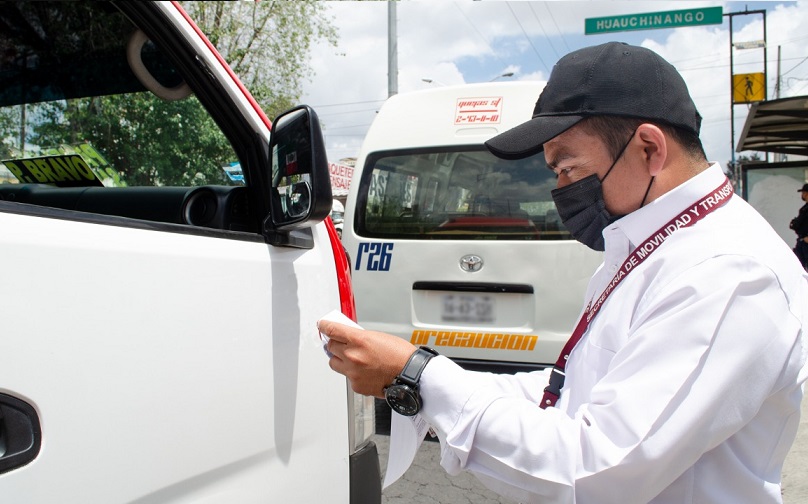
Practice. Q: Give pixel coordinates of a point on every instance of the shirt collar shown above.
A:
(642, 223)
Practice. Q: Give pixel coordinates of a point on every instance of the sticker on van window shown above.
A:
(485, 110)
(69, 170)
(375, 256)
(465, 339)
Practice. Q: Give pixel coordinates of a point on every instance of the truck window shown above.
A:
(80, 131)
(457, 193)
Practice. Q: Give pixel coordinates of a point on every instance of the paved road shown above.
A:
(795, 470)
(427, 483)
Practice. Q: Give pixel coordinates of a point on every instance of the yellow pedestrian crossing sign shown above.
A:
(748, 88)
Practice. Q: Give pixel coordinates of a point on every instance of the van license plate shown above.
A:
(468, 308)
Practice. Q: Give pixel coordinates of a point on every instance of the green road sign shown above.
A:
(654, 20)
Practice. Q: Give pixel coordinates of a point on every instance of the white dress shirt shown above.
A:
(686, 387)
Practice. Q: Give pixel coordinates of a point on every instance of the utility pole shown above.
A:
(392, 50)
(779, 157)
(777, 85)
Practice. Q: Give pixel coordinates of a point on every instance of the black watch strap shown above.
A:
(411, 373)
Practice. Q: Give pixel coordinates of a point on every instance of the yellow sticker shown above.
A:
(498, 341)
(69, 170)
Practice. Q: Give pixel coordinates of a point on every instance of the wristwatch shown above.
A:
(402, 395)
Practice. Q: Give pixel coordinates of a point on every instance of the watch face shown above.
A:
(403, 400)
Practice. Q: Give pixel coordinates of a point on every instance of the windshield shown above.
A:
(457, 193)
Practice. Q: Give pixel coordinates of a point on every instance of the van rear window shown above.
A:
(457, 193)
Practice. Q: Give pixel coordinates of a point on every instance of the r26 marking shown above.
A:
(378, 256)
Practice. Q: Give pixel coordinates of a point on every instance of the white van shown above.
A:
(158, 307)
(454, 248)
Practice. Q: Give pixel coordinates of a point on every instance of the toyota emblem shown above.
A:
(471, 263)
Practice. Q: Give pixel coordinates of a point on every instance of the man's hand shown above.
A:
(369, 359)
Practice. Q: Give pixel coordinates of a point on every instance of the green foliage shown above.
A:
(754, 157)
(147, 140)
(267, 43)
(9, 121)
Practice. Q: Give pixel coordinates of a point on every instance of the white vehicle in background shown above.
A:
(159, 341)
(454, 248)
(338, 216)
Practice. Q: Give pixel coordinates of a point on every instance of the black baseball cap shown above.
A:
(609, 79)
(804, 188)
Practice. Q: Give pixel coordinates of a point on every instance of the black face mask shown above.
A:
(583, 210)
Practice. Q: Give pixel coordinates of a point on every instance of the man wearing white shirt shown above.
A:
(683, 379)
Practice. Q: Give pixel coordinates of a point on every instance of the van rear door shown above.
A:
(454, 248)
(466, 253)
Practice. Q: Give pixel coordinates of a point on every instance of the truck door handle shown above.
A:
(20, 433)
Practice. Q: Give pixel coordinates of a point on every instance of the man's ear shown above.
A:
(655, 147)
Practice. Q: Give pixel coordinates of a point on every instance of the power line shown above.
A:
(800, 89)
(349, 103)
(468, 20)
(530, 4)
(329, 114)
(795, 66)
(716, 65)
(560, 34)
(707, 57)
(346, 127)
(527, 37)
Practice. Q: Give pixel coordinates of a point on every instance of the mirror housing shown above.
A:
(301, 183)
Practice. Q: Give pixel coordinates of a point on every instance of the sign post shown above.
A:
(654, 20)
(746, 88)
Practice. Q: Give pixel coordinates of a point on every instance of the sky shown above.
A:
(466, 41)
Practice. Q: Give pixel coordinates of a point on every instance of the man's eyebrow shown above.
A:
(552, 164)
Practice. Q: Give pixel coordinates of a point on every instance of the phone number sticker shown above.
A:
(483, 110)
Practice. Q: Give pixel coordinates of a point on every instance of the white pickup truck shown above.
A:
(158, 312)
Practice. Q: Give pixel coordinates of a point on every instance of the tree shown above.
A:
(733, 170)
(743, 158)
(267, 43)
(146, 140)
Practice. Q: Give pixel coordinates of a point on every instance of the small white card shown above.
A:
(340, 318)
(406, 436)
(406, 433)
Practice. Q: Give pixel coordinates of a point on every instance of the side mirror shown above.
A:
(301, 184)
